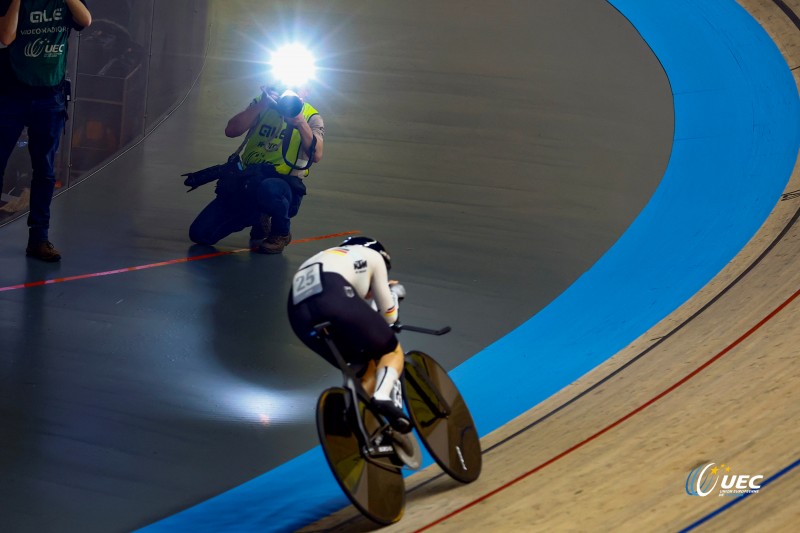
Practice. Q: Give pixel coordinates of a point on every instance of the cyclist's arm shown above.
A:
(384, 298)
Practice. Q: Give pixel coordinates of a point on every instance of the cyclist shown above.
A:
(349, 286)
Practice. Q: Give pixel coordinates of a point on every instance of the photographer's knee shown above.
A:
(196, 235)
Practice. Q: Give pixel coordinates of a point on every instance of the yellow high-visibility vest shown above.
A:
(266, 143)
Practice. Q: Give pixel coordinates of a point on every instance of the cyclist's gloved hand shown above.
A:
(397, 289)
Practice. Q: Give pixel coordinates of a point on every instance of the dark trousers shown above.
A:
(45, 119)
(278, 198)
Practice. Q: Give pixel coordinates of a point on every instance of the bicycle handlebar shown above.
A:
(400, 327)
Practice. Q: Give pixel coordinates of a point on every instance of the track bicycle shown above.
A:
(368, 457)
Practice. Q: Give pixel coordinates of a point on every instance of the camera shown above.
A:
(290, 104)
(196, 179)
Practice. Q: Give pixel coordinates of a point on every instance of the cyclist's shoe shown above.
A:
(44, 251)
(396, 417)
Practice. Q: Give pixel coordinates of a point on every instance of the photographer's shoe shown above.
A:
(259, 232)
(274, 244)
(397, 417)
(43, 251)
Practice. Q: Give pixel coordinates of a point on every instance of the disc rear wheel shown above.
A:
(374, 486)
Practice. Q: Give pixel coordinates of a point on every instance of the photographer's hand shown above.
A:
(269, 96)
(296, 121)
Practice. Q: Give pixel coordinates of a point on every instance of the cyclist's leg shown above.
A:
(388, 397)
(368, 377)
(389, 368)
(394, 359)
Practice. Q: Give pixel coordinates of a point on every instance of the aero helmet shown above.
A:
(369, 242)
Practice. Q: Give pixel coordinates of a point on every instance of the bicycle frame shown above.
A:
(363, 451)
(357, 392)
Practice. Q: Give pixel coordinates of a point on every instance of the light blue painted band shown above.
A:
(736, 143)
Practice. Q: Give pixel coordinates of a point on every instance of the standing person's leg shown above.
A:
(45, 127)
(218, 220)
(279, 200)
(12, 122)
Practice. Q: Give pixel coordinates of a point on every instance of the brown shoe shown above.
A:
(44, 251)
(265, 222)
(274, 244)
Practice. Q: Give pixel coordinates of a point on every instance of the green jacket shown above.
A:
(38, 55)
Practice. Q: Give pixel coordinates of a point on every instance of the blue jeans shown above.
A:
(45, 118)
(274, 197)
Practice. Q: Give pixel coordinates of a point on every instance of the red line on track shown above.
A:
(639, 409)
(160, 264)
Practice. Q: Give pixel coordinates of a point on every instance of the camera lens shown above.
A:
(290, 104)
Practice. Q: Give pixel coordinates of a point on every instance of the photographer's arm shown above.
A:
(80, 13)
(241, 122)
(307, 135)
(8, 23)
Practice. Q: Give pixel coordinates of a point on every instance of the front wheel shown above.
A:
(376, 489)
(441, 417)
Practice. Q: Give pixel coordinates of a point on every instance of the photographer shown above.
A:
(33, 93)
(283, 141)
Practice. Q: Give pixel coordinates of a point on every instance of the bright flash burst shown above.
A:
(293, 65)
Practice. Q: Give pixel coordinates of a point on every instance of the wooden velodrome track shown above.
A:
(716, 381)
(126, 399)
